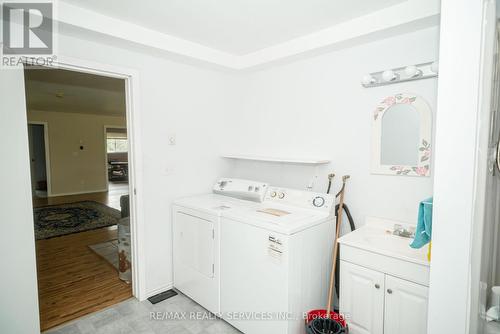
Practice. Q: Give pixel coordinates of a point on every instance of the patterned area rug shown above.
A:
(56, 220)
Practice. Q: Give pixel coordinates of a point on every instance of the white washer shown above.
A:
(196, 226)
(275, 261)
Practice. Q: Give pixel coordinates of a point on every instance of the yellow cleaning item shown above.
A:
(429, 251)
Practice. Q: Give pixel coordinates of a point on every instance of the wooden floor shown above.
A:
(72, 279)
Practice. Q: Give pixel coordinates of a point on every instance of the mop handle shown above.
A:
(336, 246)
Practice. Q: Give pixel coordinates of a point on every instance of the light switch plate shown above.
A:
(171, 139)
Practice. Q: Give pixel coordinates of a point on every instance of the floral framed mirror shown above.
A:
(401, 136)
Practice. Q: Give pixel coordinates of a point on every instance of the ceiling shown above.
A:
(74, 92)
(235, 26)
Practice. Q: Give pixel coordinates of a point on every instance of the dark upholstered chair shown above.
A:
(124, 260)
(125, 205)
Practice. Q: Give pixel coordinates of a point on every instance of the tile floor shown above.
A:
(132, 316)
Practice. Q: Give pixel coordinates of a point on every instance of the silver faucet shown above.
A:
(401, 231)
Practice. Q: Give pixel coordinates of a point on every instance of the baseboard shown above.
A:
(156, 291)
(78, 193)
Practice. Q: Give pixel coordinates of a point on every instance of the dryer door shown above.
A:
(195, 237)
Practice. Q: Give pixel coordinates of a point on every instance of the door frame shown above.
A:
(106, 127)
(47, 152)
(132, 97)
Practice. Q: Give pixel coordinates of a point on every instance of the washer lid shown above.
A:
(278, 218)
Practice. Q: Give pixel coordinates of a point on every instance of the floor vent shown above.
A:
(162, 296)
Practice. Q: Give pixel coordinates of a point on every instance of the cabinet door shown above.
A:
(362, 298)
(405, 307)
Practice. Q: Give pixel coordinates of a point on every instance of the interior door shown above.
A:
(362, 298)
(32, 158)
(405, 307)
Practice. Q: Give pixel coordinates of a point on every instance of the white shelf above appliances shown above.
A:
(304, 161)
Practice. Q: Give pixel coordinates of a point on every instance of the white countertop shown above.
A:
(376, 236)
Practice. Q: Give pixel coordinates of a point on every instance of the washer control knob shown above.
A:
(318, 201)
(257, 189)
(250, 188)
(281, 195)
(273, 194)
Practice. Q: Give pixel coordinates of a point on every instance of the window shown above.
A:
(117, 145)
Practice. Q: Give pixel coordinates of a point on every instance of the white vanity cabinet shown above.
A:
(383, 283)
(376, 303)
(405, 307)
(362, 298)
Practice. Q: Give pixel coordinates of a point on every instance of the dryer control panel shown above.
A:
(300, 198)
(243, 189)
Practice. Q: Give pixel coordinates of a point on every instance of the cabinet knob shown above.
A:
(389, 291)
(377, 286)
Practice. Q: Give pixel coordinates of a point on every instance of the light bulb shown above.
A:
(389, 76)
(412, 71)
(435, 67)
(368, 80)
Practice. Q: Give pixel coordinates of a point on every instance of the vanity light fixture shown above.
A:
(412, 71)
(435, 67)
(389, 75)
(401, 74)
(368, 80)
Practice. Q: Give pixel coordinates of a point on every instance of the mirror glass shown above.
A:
(400, 135)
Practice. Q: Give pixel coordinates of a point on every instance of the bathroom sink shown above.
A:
(376, 236)
(391, 243)
(387, 241)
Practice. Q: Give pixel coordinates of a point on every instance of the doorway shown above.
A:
(116, 152)
(39, 159)
(82, 229)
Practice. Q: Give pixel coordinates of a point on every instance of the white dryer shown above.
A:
(196, 236)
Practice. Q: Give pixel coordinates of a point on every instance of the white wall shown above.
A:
(457, 156)
(72, 170)
(175, 99)
(317, 108)
(18, 286)
(311, 107)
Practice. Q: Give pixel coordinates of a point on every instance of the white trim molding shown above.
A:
(92, 191)
(408, 16)
(135, 152)
(405, 17)
(158, 290)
